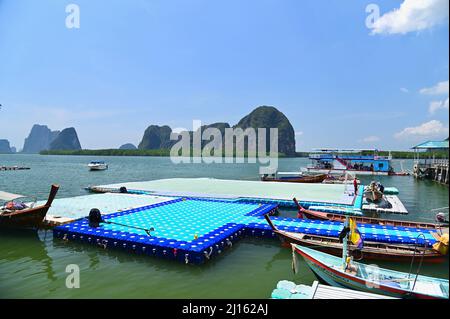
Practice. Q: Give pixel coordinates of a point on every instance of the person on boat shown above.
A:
(355, 185)
(15, 206)
(350, 268)
(380, 187)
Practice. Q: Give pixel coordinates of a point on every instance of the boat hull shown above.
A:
(337, 278)
(299, 179)
(368, 220)
(28, 218)
(343, 171)
(370, 251)
(98, 168)
(367, 253)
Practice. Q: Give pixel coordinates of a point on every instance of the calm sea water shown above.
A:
(33, 265)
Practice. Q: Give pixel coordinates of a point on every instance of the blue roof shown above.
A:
(432, 145)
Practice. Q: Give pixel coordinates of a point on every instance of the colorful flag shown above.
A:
(355, 235)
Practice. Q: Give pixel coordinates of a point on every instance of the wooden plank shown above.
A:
(329, 292)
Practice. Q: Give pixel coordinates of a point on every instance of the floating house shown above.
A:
(426, 163)
(340, 161)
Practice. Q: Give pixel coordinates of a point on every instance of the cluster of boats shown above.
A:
(332, 259)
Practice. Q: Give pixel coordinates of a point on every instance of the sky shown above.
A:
(343, 75)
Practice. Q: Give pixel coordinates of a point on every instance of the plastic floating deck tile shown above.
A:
(79, 206)
(193, 230)
(202, 187)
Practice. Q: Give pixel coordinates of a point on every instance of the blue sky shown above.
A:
(140, 62)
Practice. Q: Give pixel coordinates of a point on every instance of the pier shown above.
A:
(13, 168)
(430, 167)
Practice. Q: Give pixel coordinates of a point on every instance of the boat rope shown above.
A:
(208, 255)
(129, 226)
(421, 260)
(294, 260)
(99, 219)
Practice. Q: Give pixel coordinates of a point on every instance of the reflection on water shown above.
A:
(32, 264)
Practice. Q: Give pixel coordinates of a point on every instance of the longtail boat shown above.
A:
(295, 179)
(102, 190)
(370, 278)
(371, 250)
(15, 214)
(311, 214)
(372, 193)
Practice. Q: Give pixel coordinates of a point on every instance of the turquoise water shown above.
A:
(33, 264)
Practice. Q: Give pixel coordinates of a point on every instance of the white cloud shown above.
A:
(370, 139)
(298, 133)
(429, 129)
(413, 15)
(439, 89)
(404, 90)
(437, 105)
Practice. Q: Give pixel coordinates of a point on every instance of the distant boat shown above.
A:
(97, 166)
(293, 178)
(16, 214)
(371, 278)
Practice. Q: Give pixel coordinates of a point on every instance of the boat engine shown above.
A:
(440, 218)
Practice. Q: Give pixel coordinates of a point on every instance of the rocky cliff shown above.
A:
(39, 139)
(66, 140)
(5, 148)
(158, 137)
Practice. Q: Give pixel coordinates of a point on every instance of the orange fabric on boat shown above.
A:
(442, 245)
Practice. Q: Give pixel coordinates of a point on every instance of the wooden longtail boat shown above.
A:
(371, 250)
(310, 214)
(370, 278)
(29, 216)
(372, 193)
(296, 179)
(102, 190)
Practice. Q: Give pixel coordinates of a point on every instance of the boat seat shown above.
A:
(430, 288)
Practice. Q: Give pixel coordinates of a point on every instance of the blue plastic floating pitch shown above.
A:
(193, 230)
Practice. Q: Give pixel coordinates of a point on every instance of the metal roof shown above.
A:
(336, 150)
(432, 145)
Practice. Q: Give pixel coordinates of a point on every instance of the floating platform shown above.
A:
(255, 191)
(289, 290)
(66, 210)
(397, 206)
(193, 230)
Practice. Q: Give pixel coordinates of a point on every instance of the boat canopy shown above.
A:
(9, 196)
(432, 145)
